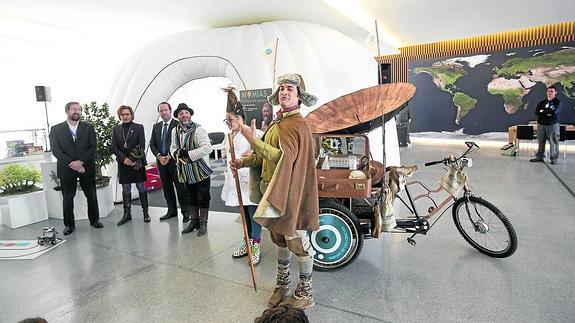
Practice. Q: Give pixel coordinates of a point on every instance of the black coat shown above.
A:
(122, 143)
(66, 150)
(156, 138)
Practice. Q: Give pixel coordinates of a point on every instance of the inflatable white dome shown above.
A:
(331, 64)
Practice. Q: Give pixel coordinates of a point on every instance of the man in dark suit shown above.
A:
(160, 145)
(73, 144)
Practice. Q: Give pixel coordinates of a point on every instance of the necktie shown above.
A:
(164, 139)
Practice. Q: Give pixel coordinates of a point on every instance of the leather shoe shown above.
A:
(168, 216)
(536, 160)
(97, 225)
(68, 230)
(553, 162)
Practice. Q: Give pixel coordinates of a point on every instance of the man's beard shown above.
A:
(75, 117)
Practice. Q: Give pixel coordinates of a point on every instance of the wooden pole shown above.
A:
(242, 214)
(382, 114)
(275, 60)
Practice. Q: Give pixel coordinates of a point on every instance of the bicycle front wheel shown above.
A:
(484, 227)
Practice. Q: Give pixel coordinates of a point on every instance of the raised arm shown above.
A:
(204, 145)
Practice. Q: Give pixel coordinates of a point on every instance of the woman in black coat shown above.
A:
(128, 144)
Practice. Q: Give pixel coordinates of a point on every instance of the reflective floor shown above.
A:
(151, 273)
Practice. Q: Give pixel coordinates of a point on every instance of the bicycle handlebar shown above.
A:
(431, 163)
(450, 160)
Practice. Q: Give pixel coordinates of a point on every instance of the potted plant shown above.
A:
(103, 122)
(19, 179)
(21, 201)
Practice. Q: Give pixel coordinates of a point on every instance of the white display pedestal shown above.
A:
(54, 198)
(23, 209)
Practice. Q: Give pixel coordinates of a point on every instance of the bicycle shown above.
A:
(343, 227)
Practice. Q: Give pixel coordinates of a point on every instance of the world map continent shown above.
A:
(513, 79)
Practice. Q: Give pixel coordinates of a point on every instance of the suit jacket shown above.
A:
(66, 150)
(156, 138)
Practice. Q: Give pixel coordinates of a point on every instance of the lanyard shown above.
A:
(126, 136)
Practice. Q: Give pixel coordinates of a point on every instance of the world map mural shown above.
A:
(488, 92)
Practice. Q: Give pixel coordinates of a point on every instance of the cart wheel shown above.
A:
(339, 239)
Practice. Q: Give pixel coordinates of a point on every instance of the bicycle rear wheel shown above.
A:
(484, 227)
(339, 239)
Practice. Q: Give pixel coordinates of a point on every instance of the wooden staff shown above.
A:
(275, 59)
(242, 213)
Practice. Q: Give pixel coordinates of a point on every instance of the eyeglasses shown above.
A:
(229, 121)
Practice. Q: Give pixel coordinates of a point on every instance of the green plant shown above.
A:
(16, 178)
(103, 124)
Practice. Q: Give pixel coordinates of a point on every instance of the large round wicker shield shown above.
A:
(359, 107)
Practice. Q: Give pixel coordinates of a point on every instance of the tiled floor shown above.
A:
(151, 273)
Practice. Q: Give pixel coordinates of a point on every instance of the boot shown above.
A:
(144, 202)
(255, 252)
(303, 294)
(203, 222)
(194, 220)
(283, 280)
(127, 200)
(168, 216)
(186, 217)
(242, 251)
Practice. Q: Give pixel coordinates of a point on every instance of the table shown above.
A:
(512, 131)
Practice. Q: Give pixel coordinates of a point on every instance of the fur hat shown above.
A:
(295, 79)
(183, 106)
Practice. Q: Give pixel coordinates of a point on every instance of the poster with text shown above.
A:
(256, 105)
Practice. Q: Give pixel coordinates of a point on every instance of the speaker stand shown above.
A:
(47, 128)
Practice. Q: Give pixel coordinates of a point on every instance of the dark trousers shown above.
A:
(127, 188)
(199, 194)
(169, 179)
(548, 133)
(69, 186)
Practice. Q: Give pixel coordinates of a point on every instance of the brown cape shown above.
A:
(291, 202)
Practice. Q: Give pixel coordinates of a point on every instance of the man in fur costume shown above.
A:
(287, 187)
